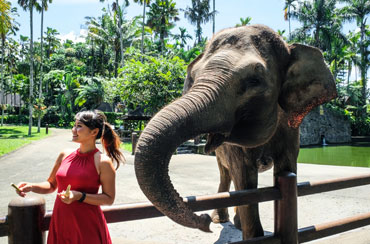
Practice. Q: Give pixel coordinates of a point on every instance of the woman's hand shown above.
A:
(73, 196)
(24, 187)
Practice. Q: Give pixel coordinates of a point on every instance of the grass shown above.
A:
(127, 146)
(14, 137)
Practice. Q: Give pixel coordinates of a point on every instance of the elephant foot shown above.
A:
(220, 216)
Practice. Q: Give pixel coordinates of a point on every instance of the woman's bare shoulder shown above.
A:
(66, 152)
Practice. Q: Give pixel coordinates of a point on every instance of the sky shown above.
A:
(68, 16)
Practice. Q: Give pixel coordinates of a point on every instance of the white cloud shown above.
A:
(73, 37)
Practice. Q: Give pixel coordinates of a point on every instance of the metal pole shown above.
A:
(134, 139)
(47, 128)
(25, 216)
(286, 223)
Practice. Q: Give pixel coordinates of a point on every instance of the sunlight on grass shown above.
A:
(127, 146)
(14, 137)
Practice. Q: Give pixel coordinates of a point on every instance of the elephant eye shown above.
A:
(249, 83)
(253, 81)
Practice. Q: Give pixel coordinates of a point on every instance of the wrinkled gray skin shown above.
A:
(249, 91)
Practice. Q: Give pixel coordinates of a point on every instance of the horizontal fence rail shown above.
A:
(308, 188)
(136, 211)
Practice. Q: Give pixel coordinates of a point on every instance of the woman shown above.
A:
(77, 217)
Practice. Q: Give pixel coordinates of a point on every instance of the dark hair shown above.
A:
(110, 140)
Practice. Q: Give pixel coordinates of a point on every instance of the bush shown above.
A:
(151, 83)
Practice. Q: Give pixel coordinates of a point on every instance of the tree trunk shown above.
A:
(2, 81)
(142, 29)
(120, 30)
(214, 17)
(363, 67)
(31, 73)
(41, 70)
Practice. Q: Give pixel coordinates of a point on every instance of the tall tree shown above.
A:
(44, 7)
(359, 10)
(144, 3)
(182, 37)
(199, 13)
(161, 18)
(319, 18)
(214, 17)
(119, 16)
(30, 5)
(7, 25)
(288, 5)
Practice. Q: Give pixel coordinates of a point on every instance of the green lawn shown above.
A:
(126, 146)
(14, 137)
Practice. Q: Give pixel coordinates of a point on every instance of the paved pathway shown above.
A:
(191, 175)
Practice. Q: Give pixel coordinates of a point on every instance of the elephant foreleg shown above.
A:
(221, 215)
(247, 178)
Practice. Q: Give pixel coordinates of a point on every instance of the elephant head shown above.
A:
(235, 92)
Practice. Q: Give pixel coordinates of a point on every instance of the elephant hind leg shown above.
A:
(221, 215)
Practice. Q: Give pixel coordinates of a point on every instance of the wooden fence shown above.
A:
(27, 220)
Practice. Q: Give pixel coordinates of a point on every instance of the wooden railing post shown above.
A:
(25, 216)
(134, 139)
(286, 223)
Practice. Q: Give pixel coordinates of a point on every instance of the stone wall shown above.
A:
(335, 128)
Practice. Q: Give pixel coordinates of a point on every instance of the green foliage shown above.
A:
(151, 84)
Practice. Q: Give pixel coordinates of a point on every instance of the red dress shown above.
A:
(77, 222)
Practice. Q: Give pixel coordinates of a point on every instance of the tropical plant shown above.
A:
(199, 13)
(150, 84)
(144, 3)
(91, 94)
(7, 25)
(161, 18)
(44, 7)
(319, 18)
(359, 10)
(30, 5)
(288, 5)
(182, 37)
(244, 22)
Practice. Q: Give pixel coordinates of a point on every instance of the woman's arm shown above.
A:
(107, 179)
(45, 187)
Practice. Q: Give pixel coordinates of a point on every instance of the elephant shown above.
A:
(249, 91)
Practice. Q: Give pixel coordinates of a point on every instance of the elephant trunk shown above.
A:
(178, 122)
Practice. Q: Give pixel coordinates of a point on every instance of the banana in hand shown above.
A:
(67, 192)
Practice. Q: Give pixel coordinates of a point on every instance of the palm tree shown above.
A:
(52, 41)
(244, 22)
(24, 42)
(161, 18)
(98, 33)
(214, 17)
(288, 5)
(119, 16)
(7, 25)
(44, 6)
(29, 5)
(182, 37)
(318, 18)
(199, 14)
(144, 3)
(359, 10)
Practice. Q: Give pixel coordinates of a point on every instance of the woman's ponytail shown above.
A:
(111, 143)
(110, 140)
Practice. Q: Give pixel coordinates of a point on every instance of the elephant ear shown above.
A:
(189, 81)
(308, 83)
